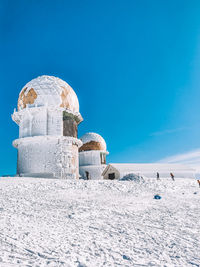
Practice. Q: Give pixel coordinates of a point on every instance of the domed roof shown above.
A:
(92, 141)
(48, 91)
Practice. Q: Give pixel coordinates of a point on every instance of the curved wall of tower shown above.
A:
(48, 156)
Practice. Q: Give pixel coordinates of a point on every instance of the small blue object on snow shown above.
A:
(126, 258)
(157, 197)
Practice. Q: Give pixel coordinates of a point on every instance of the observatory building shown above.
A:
(48, 117)
(92, 156)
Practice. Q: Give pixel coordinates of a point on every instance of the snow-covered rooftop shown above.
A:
(94, 137)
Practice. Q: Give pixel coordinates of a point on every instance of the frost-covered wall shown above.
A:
(94, 171)
(40, 156)
(42, 148)
(54, 122)
(39, 121)
(91, 164)
(89, 158)
(92, 156)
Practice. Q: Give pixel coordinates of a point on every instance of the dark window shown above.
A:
(111, 176)
(103, 158)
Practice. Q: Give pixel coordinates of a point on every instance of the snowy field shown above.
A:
(46, 222)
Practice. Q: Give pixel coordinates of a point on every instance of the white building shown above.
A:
(92, 156)
(149, 170)
(48, 117)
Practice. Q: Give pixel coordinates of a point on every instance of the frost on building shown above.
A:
(48, 117)
(92, 156)
(149, 170)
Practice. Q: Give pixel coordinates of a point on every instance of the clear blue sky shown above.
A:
(135, 66)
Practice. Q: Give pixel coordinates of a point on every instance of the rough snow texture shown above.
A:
(88, 137)
(48, 91)
(47, 222)
(149, 170)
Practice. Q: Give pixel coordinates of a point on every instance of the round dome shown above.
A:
(48, 91)
(92, 141)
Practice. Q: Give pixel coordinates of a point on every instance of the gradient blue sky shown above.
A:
(135, 66)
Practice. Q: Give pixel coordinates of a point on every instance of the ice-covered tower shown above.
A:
(48, 116)
(92, 156)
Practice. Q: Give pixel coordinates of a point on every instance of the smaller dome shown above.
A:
(92, 141)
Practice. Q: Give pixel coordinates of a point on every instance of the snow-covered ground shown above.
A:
(47, 222)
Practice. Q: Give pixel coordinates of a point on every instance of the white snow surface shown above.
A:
(49, 222)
